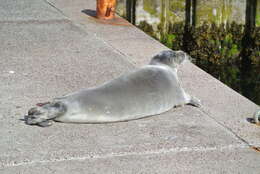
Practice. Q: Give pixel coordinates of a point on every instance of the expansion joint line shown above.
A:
(52, 5)
(252, 146)
(26, 162)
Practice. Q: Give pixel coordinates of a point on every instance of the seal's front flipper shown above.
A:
(257, 117)
(194, 102)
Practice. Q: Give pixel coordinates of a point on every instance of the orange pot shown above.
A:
(106, 9)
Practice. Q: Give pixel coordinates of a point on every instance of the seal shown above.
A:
(257, 117)
(150, 90)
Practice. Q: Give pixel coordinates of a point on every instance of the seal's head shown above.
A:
(170, 58)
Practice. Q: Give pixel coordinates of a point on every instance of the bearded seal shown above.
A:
(150, 90)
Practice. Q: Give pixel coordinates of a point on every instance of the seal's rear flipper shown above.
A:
(44, 114)
(194, 102)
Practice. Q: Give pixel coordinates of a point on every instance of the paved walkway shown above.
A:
(50, 48)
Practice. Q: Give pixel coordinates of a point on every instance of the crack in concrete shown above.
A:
(122, 154)
(229, 129)
(125, 57)
(52, 5)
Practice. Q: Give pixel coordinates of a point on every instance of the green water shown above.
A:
(213, 32)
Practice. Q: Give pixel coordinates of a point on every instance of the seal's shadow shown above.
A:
(89, 12)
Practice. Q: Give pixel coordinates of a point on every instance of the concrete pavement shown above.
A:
(50, 48)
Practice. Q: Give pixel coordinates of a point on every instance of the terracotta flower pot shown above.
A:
(106, 9)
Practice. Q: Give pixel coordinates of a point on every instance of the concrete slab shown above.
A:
(181, 128)
(230, 160)
(226, 106)
(24, 10)
(138, 49)
(129, 40)
(42, 58)
(62, 51)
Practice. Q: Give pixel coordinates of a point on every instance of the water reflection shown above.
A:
(172, 11)
(220, 35)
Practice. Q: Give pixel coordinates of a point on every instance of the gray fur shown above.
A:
(150, 90)
(257, 117)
